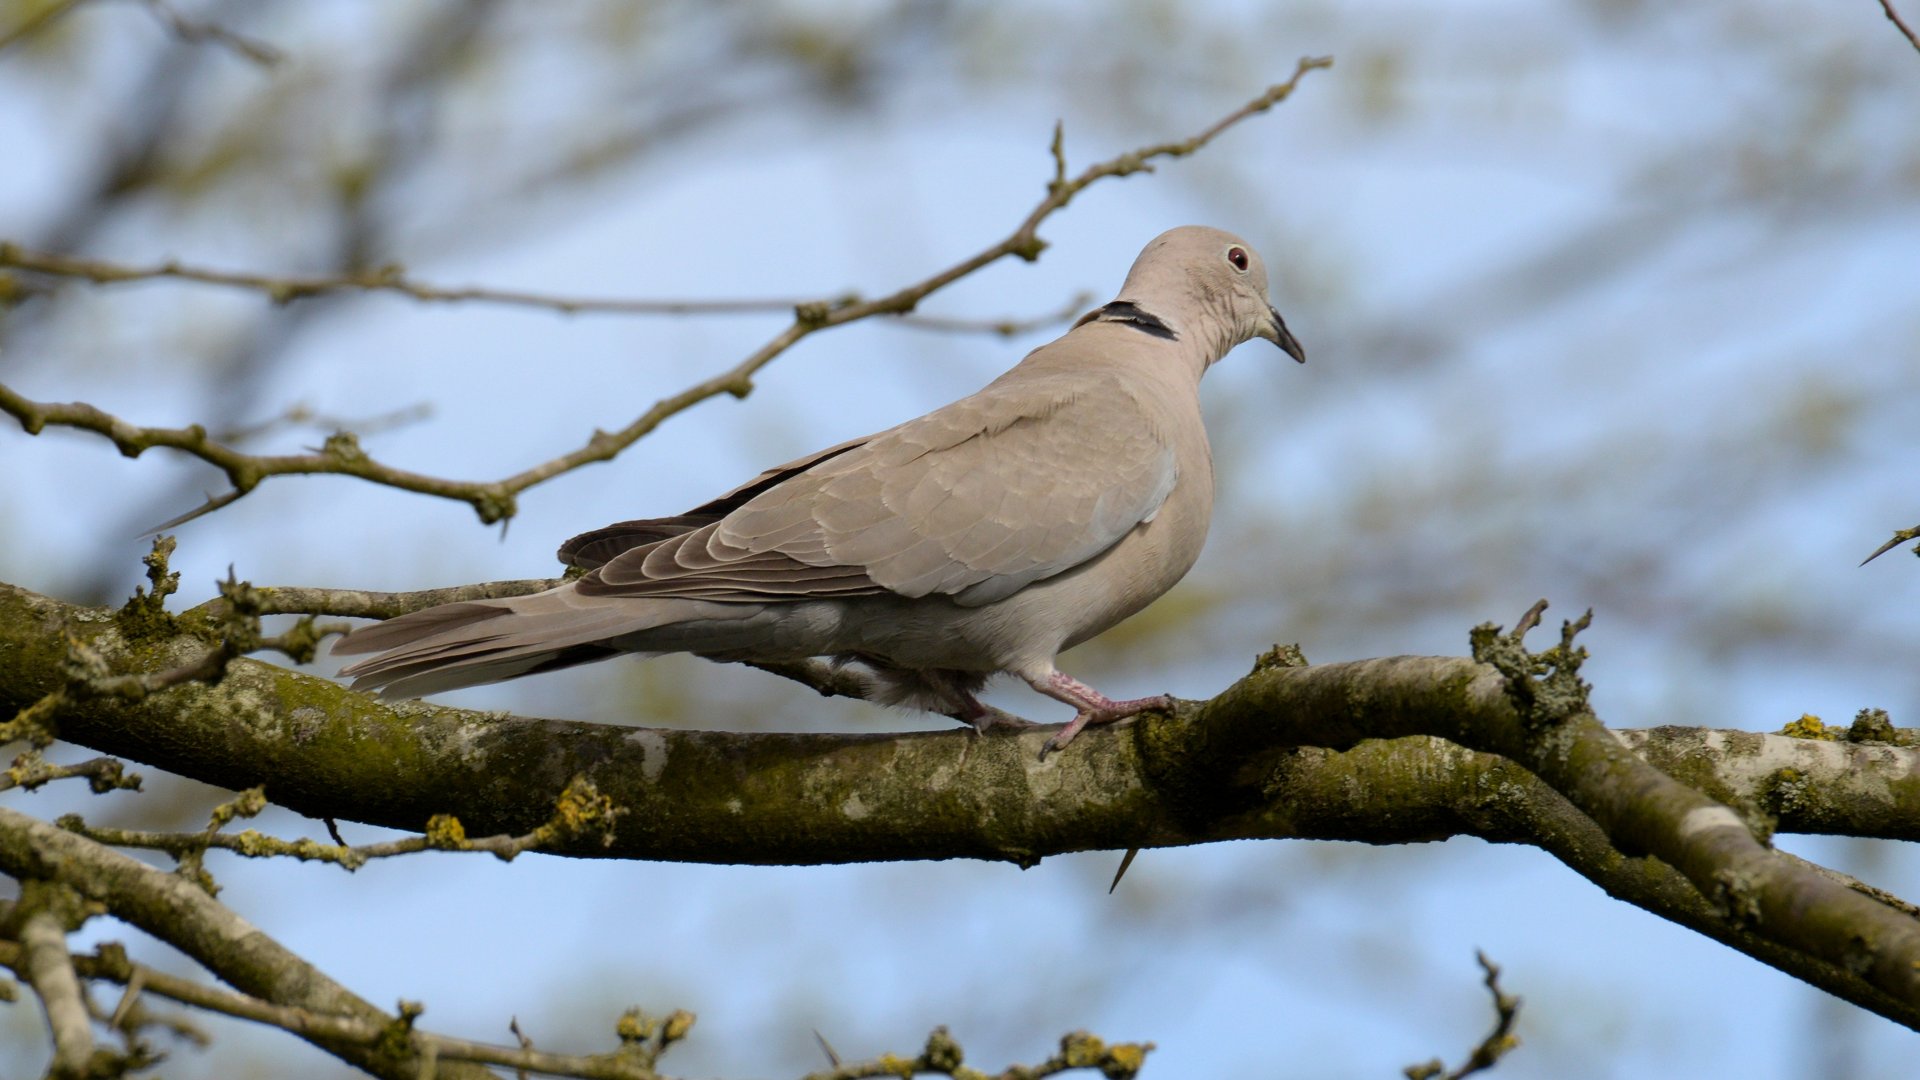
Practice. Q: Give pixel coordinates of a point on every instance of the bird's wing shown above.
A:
(1025, 480)
(596, 547)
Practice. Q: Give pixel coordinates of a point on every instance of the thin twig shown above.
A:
(287, 288)
(1894, 16)
(1075, 304)
(30, 771)
(495, 501)
(392, 278)
(362, 604)
(197, 31)
(1496, 1045)
(301, 414)
(580, 809)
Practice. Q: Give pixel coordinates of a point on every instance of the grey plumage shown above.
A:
(986, 536)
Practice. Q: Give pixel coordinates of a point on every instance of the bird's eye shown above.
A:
(1238, 257)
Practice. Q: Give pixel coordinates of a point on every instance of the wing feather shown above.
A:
(976, 501)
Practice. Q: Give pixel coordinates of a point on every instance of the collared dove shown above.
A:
(986, 536)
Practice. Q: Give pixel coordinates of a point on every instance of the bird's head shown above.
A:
(1208, 283)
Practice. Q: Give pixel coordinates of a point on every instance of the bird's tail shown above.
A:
(484, 641)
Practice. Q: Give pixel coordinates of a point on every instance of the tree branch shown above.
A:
(110, 964)
(177, 911)
(44, 964)
(495, 500)
(1226, 769)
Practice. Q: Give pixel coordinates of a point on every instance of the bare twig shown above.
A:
(198, 31)
(390, 278)
(103, 774)
(942, 1056)
(361, 604)
(1894, 16)
(194, 31)
(495, 501)
(287, 288)
(304, 415)
(581, 809)
(1529, 620)
(1003, 327)
(1498, 1042)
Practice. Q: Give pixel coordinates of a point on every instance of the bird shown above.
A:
(985, 537)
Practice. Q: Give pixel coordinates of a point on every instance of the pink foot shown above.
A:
(1093, 706)
(985, 718)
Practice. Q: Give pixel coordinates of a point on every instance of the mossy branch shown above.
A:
(1245, 764)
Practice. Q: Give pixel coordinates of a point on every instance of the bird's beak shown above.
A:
(1276, 331)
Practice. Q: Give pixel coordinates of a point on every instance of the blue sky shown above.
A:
(1605, 304)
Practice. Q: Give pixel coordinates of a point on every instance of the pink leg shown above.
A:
(984, 718)
(1093, 706)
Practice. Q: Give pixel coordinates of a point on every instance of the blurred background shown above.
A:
(1611, 302)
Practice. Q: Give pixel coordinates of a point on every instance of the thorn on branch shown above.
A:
(833, 1056)
(1899, 538)
(1059, 151)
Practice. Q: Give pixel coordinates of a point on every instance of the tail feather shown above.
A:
(415, 626)
(467, 644)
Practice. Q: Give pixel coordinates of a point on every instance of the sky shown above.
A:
(1603, 302)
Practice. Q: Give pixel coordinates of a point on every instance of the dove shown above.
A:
(985, 537)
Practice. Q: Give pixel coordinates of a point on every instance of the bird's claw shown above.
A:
(1116, 710)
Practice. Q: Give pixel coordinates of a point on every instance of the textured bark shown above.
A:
(178, 912)
(1287, 752)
